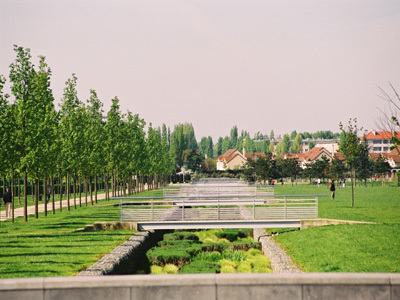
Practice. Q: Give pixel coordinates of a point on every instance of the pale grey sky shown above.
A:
(260, 65)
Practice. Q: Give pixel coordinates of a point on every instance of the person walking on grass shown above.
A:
(7, 198)
(332, 189)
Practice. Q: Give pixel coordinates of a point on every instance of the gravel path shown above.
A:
(280, 261)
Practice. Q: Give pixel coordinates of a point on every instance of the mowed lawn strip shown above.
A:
(348, 248)
(50, 246)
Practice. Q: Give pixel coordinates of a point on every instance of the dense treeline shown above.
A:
(76, 145)
(262, 143)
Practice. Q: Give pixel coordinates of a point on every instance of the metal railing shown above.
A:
(218, 207)
(217, 190)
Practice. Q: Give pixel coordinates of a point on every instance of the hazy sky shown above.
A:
(260, 65)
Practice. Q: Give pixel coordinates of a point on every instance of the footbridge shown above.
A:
(202, 209)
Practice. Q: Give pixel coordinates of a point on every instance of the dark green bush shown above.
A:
(200, 266)
(182, 243)
(168, 255)
(181, 235)
(236, 245)
(233, 234)
(178, 253)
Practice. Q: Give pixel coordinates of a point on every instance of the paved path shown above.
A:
(19, 212)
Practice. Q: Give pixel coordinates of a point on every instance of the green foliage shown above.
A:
(261, 264)
(209, 256)
(200, 267)
(181, 235)
(244, 267)
(168, 255)
(297, 144)
(350, 149)
(234, 255)
(228, 266)
(233, 234)
(186, 251)
(171, 269)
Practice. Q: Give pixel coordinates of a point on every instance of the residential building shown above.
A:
(234, 159)
(380, 141)
(311, 156)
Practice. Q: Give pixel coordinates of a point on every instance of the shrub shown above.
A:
(233, 234)
(227, 262)
(208, 236)
(181, 243)
(255, 252)
(244, 267)
(234, 255)
(156, 270)
(227, 269)
(181, 235)
(261, 264)
(244, 245)
(200, 267)
(171, 269)
(168, 255)
(208, 256)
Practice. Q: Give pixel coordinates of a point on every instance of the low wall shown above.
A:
(311, 223)
(311, 286)
(125, 258)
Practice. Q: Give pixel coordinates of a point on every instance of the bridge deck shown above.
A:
(166, 225)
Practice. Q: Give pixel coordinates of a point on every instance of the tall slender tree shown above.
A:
(114, 135)
(22, 86)
(72, 136)
(350, 148)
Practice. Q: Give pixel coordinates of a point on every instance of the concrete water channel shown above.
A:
(216, 204)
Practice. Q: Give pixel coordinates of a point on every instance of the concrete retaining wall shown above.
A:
(312, 286)
(125, 258)
(311, 223)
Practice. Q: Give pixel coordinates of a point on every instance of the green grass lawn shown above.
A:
(348, 248)
(50, 246)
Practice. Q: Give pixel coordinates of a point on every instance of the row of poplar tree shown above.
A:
(76, 144)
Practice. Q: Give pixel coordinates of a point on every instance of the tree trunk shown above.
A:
(90, 190)
(12, 195)
(53, 204)
(67, 190)
(95, 188)
(60, 189)
(37, 192)
(106, 187)
(32, 192)
(74, 188)
(86, 190)
(25, 196)
(19, 188)
(80, 191)
(45, 195)
(352, 186)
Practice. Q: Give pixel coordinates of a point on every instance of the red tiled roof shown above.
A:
(229, 155)
(255, 156)
(381, 135)
(314, 153)
(394, 155)
(395, 151)
(310, 155)
(339, 155)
